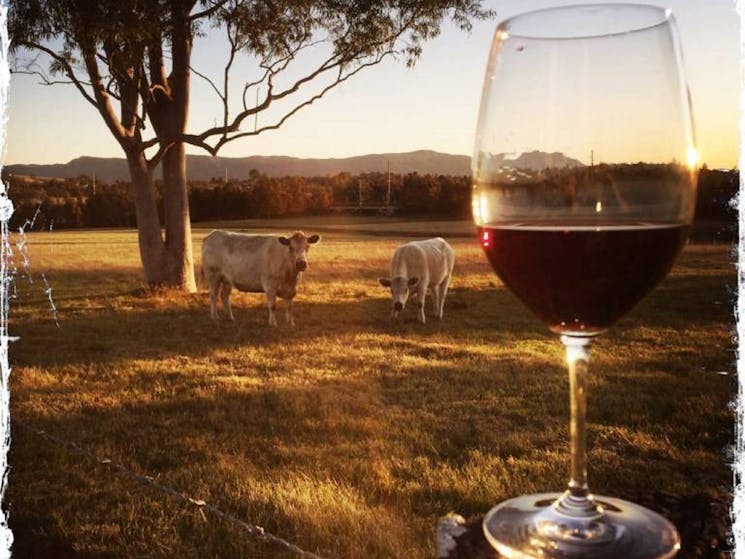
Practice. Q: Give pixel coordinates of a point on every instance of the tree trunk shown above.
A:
(178, 247)
(179, 255)
(152, 249)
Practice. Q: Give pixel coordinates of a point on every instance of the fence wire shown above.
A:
(256, 531)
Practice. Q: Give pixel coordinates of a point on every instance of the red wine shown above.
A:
(582, 279)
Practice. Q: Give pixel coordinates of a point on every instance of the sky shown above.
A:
(389, 108)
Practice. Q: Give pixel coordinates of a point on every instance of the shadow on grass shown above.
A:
(109, 334)
(28, 544)
(246, 452)
(365, 434)
(32, 539)
(692, 299)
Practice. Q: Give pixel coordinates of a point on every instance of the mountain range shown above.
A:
(202, 167)
(535, 160)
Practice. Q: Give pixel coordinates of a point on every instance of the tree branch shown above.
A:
(147, 144)
(129, 102)
(44, 78)
(155, 94)
(205, 78)
(157, 66)
(125, 75)
(282, 64)
(209, 11)
(337, 61)
(198, 141)
(68, 71)
(270, 97)
(226, 74)
(152, 163)
(103, 101)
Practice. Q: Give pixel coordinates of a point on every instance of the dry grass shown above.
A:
(347, 435)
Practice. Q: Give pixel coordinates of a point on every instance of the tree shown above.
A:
(131, 60)
(419, 193)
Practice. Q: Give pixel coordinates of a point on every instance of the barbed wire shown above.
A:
(256, 531)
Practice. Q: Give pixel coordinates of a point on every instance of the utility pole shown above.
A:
(226, 175)
(359, 186)
(388, 195)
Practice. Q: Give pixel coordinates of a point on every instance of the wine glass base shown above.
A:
(530, 527)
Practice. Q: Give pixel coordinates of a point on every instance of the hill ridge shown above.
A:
(205, 167)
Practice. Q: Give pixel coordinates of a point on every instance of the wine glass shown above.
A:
(584, 180)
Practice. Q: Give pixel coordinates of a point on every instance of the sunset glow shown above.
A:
(389, 108)
(692, 157)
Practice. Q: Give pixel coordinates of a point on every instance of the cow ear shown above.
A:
(313, 239)
(284, 240)
(385, 282)
(413, 281)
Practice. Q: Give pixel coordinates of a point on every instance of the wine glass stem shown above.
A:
(577, 501)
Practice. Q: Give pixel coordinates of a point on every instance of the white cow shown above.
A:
(256, 264)
(420, 266)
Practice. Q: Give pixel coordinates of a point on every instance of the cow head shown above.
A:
(299, 245)
(400, 288)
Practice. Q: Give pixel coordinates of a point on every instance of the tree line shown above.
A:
(81, 202)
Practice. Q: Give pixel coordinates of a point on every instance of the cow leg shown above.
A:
(225, 289)
(288, 313)
(271, 298)
(443, 291)
(435, 292)
(421, 296)
(214, 284)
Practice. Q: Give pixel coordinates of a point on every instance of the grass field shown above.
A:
(348, 435)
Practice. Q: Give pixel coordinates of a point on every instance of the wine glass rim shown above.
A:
(663, 16)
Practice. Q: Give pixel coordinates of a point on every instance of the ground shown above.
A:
(348, 435)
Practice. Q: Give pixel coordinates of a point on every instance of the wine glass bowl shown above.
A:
(584, 185)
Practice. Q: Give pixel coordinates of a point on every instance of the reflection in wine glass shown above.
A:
(584, 178)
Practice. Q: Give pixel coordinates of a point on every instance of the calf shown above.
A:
(417, 267)
(256, 264)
